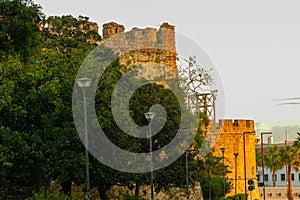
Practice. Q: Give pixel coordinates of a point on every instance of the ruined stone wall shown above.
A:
(111, 29)
(118, 193)
(154, 50)
(232, 138)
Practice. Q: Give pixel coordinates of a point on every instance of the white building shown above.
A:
(281, 175)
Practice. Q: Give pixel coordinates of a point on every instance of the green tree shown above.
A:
(297, 141)
(273, 162)
(67, 32)
(258, 158)
(19, 32)
(63, 54)
(40, 136)
(210, 174)
(289, 157)
(142, 99)
(20, 121)
(37, 128)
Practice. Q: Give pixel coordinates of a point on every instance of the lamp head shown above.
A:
(84, 82)
(223, 149)
(149, 115)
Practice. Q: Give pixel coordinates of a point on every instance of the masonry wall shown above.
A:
(118, 193)
(150, 48)
(233, 136)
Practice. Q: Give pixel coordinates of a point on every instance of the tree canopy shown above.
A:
(20, 28)
(273, 162)
(38, 142)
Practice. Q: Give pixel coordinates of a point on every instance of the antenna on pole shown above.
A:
(286, 136)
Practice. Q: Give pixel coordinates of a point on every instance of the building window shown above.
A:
(293, 177)
(258, 177)
(282, 177)
(299, 177)
(266, 177)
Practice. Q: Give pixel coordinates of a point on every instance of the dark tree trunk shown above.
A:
(102, 193)
(290, 186)
(274, 179)
(38, 178)
(137, 189)
(66, 187)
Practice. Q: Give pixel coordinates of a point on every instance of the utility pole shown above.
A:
(286, 167)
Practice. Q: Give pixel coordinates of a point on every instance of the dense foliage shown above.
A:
(38, 142)
(19, 32)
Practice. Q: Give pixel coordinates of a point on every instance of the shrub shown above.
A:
(53, 193)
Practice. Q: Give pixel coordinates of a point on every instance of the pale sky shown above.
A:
(254, 45)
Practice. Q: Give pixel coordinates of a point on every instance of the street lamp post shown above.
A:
(209, 182)
(245, 169)
(149, 116)
(187, 173)
(224, 191)
(84, 83)
(186, 166)
(245, 173)
(262, 161)
(235, 171)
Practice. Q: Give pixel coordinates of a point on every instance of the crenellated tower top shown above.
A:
(236, 126)
(151, 38)
(152, 48)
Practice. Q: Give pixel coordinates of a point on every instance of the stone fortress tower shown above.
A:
(155, 50)
(238, 137)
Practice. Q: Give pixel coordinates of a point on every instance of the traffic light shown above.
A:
(250, 185)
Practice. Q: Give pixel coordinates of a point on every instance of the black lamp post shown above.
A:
(187, 173)
(209, 181)
(84, 83)
(224, 191)
(149, 116)
(235, 171)
(186, 166)
(245, 167)
(262, 161)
